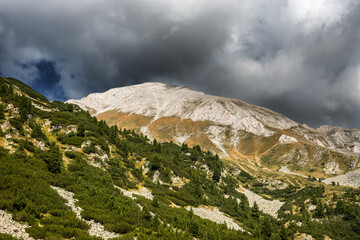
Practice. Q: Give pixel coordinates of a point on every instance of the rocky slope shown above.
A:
(232, 128)
(66, 175)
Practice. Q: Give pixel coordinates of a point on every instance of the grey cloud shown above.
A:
(284, 55)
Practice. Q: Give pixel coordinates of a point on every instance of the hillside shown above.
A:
(66, 175)
(237, 131)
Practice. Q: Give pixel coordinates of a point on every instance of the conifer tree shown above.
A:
(155, 202)
(2, 111)
(255, 212)
(217, 174)
(275, 236)
(81, 130)
(37, 133)
(25, 108)
(53, 159)
(319, 212)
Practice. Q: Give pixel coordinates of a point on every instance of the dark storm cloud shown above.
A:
(47, 81)
(300, 58)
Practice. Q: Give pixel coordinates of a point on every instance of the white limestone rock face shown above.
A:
(332, 168)
(354, 163)
(302, 157)
(346, 140)
(216, 134)
(160, 100)
(285, 139)
(350, 179)
(15, 229)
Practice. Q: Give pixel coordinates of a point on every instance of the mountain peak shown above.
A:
(182, 115)
(158, 100)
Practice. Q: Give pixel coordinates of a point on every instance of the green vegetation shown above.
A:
(77, 140)
(2, 112)
(37, 133)
(26, 89)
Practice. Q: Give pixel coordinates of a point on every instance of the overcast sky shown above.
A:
(298, 57)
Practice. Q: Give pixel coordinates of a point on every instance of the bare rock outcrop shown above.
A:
(96, 229)
(270, 207)
(350, 179)
(15, 229)
(273, 184)
(332, 168)
(142, 192)
(215, 215)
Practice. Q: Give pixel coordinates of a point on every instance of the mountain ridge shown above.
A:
(161, 88)
(223, 125)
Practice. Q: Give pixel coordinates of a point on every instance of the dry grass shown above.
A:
(124, 120)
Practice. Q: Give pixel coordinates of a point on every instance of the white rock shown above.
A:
(351, 179)
(205, 168)
(341, 139)
(178, 181)
(161, 100)
(15, 229)
(270, 207)
(158, 100)
(47, 122)
(42, 107)
(146, 193)
(85, 144)
(5, 126)
(41, 145)
(96, 229)
(274, 184)
(216, 134)
(285, 139)
(180, 139)
(217, 216)
(354, 163)
(311, 207)
(156, 177)
(332, 167)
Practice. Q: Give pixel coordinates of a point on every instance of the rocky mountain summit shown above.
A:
(232, 128)
(158, 100)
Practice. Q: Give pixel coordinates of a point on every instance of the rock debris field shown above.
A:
(351, 179)
(96, 229)
(266, 206)
(146, 193)
(15, 229)
(215, 215)
(9, 226)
